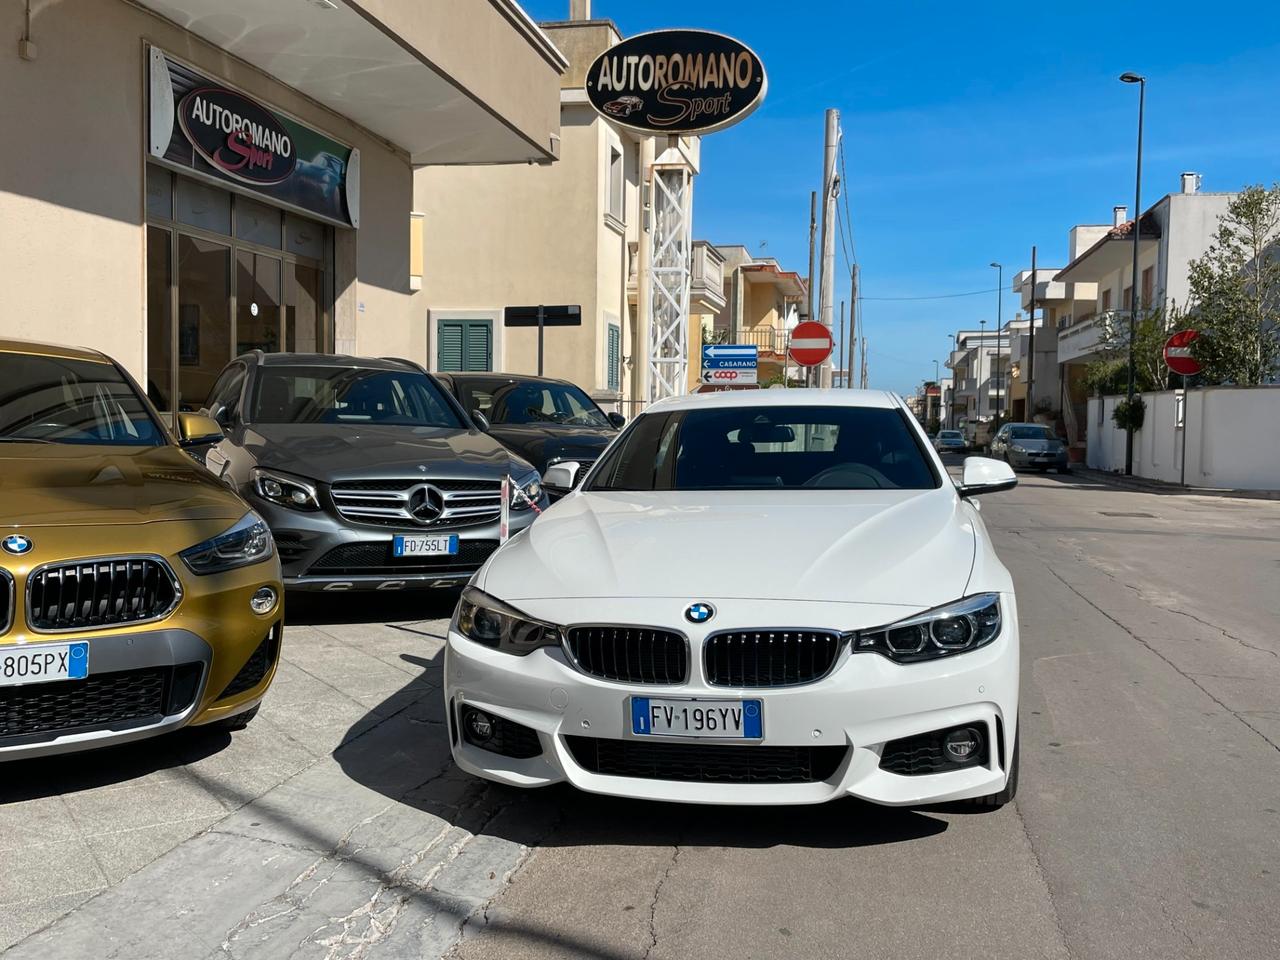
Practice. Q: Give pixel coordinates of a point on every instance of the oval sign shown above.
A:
(676, 82)
(238, 136)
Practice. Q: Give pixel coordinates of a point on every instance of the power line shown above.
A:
(844, 182)
(937, 296)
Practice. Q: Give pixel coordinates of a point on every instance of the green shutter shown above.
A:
(614, 358)
(479, 349)
(449, 338)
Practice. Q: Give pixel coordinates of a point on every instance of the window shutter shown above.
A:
(479, 352)
(614, 357)
(449, 335)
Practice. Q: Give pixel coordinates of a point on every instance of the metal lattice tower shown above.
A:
(669, 275)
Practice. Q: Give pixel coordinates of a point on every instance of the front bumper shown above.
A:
(865, 702)
(321, 552)
(1029, 460)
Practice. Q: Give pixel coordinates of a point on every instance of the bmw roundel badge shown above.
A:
(17, 544)
(699, 612)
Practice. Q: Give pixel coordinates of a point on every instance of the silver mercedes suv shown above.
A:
(370, 475)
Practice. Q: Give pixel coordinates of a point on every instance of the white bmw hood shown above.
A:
(908, 547)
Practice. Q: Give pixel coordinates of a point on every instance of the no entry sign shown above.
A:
(1177, 353)
(810, 344)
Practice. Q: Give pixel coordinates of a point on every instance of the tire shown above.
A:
(1042, 469)
(1064, 470)
(995, 801)
(238, 722)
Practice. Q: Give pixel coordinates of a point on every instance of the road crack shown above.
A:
(657, 895)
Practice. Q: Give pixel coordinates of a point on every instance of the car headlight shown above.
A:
(526, 491)
(955, 628)
(248, 541)
(490, 622)
(1018, 449)
(283, 489)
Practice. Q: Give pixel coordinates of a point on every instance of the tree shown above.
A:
(1110, 373)
(1235, 292)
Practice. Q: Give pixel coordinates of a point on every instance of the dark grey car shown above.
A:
(368, 472)
(1030, 446)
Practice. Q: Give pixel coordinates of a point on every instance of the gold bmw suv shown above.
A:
(137, 593)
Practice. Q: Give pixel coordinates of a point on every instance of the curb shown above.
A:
(1161, 487)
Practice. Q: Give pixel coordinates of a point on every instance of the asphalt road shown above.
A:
(1147, 823)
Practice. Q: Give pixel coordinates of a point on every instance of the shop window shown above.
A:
(302, 312)
(159, 192)
(464, 345)
(303, 237)
(257, 223)
(204, 321)
(159, 383)
(257, 302)
(201, 205)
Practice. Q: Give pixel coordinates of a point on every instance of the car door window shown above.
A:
(224, 399)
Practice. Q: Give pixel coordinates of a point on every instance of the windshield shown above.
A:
(949, 435)
(61, 400)
(530, 401)
(323, 394)
(1030, 433)
(745, 448)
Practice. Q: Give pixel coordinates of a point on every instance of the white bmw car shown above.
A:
(752, 597)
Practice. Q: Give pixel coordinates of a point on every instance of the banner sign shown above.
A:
(676, 82)
(730, 363)
(201, 126)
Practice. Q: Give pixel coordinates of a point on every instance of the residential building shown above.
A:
(575, 233)
(1175, 230)
(762, 304)
(198, 178)
(977, 390)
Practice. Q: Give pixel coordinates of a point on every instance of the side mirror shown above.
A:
(984, 475)
(617, 419)
(481, 420)
(197, 430)
(562, 477)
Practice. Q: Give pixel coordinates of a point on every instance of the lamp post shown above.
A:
(951, 414)
(1000, 326)
(982, 349)
(1133, 298)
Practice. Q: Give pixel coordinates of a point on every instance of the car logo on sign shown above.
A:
(699, 612)
(17, 544)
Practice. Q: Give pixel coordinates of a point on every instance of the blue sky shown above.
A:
(971, 132)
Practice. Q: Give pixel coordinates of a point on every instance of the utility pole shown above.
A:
(862, 381)
(1031, 345)
(813, 232)
(826, 298)
(842, 342)
(853, 326)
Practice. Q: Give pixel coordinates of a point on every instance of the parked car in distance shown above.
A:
(368, 472)
(643, 640)
(545, 421)
(949, 441)
(1030, 445)
(137, 594)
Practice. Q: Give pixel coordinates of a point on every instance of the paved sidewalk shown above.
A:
(1159, 486)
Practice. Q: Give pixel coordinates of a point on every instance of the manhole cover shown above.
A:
(1108, 513)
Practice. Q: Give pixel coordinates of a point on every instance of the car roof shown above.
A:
(797, 397)
(35, 349)
(506, 377)
(327, 360)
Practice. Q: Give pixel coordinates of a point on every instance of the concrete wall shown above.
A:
(1230, 438)
(72, 237)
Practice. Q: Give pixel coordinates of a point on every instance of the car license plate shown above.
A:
(424, 546)
(43, 662)
(716, 719)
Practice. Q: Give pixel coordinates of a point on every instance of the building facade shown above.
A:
(197, 178)
(762, 303)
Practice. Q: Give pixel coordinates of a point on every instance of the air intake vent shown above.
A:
(110, 592)
(705, 763)
(630, 654)
(769, 658)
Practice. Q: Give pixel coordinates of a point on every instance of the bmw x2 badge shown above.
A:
(17, 544)
(699, 612)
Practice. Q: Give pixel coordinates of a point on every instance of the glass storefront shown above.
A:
(227, 274)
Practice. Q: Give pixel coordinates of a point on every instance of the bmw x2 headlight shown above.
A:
(284, 489)
(955, 628)
(526, 491)
(248, 541)
(490, 622)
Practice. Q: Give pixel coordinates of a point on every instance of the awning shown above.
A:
(447, 81)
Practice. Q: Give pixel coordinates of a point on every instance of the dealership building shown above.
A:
(186, 180)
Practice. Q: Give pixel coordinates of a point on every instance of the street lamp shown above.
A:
(1133, 298)
(982, 349)
(1000, 326)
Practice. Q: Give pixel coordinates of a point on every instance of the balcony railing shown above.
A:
(764, 338)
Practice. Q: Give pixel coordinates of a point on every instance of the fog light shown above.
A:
(264, 601)
(962, 744)
(479, 726)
